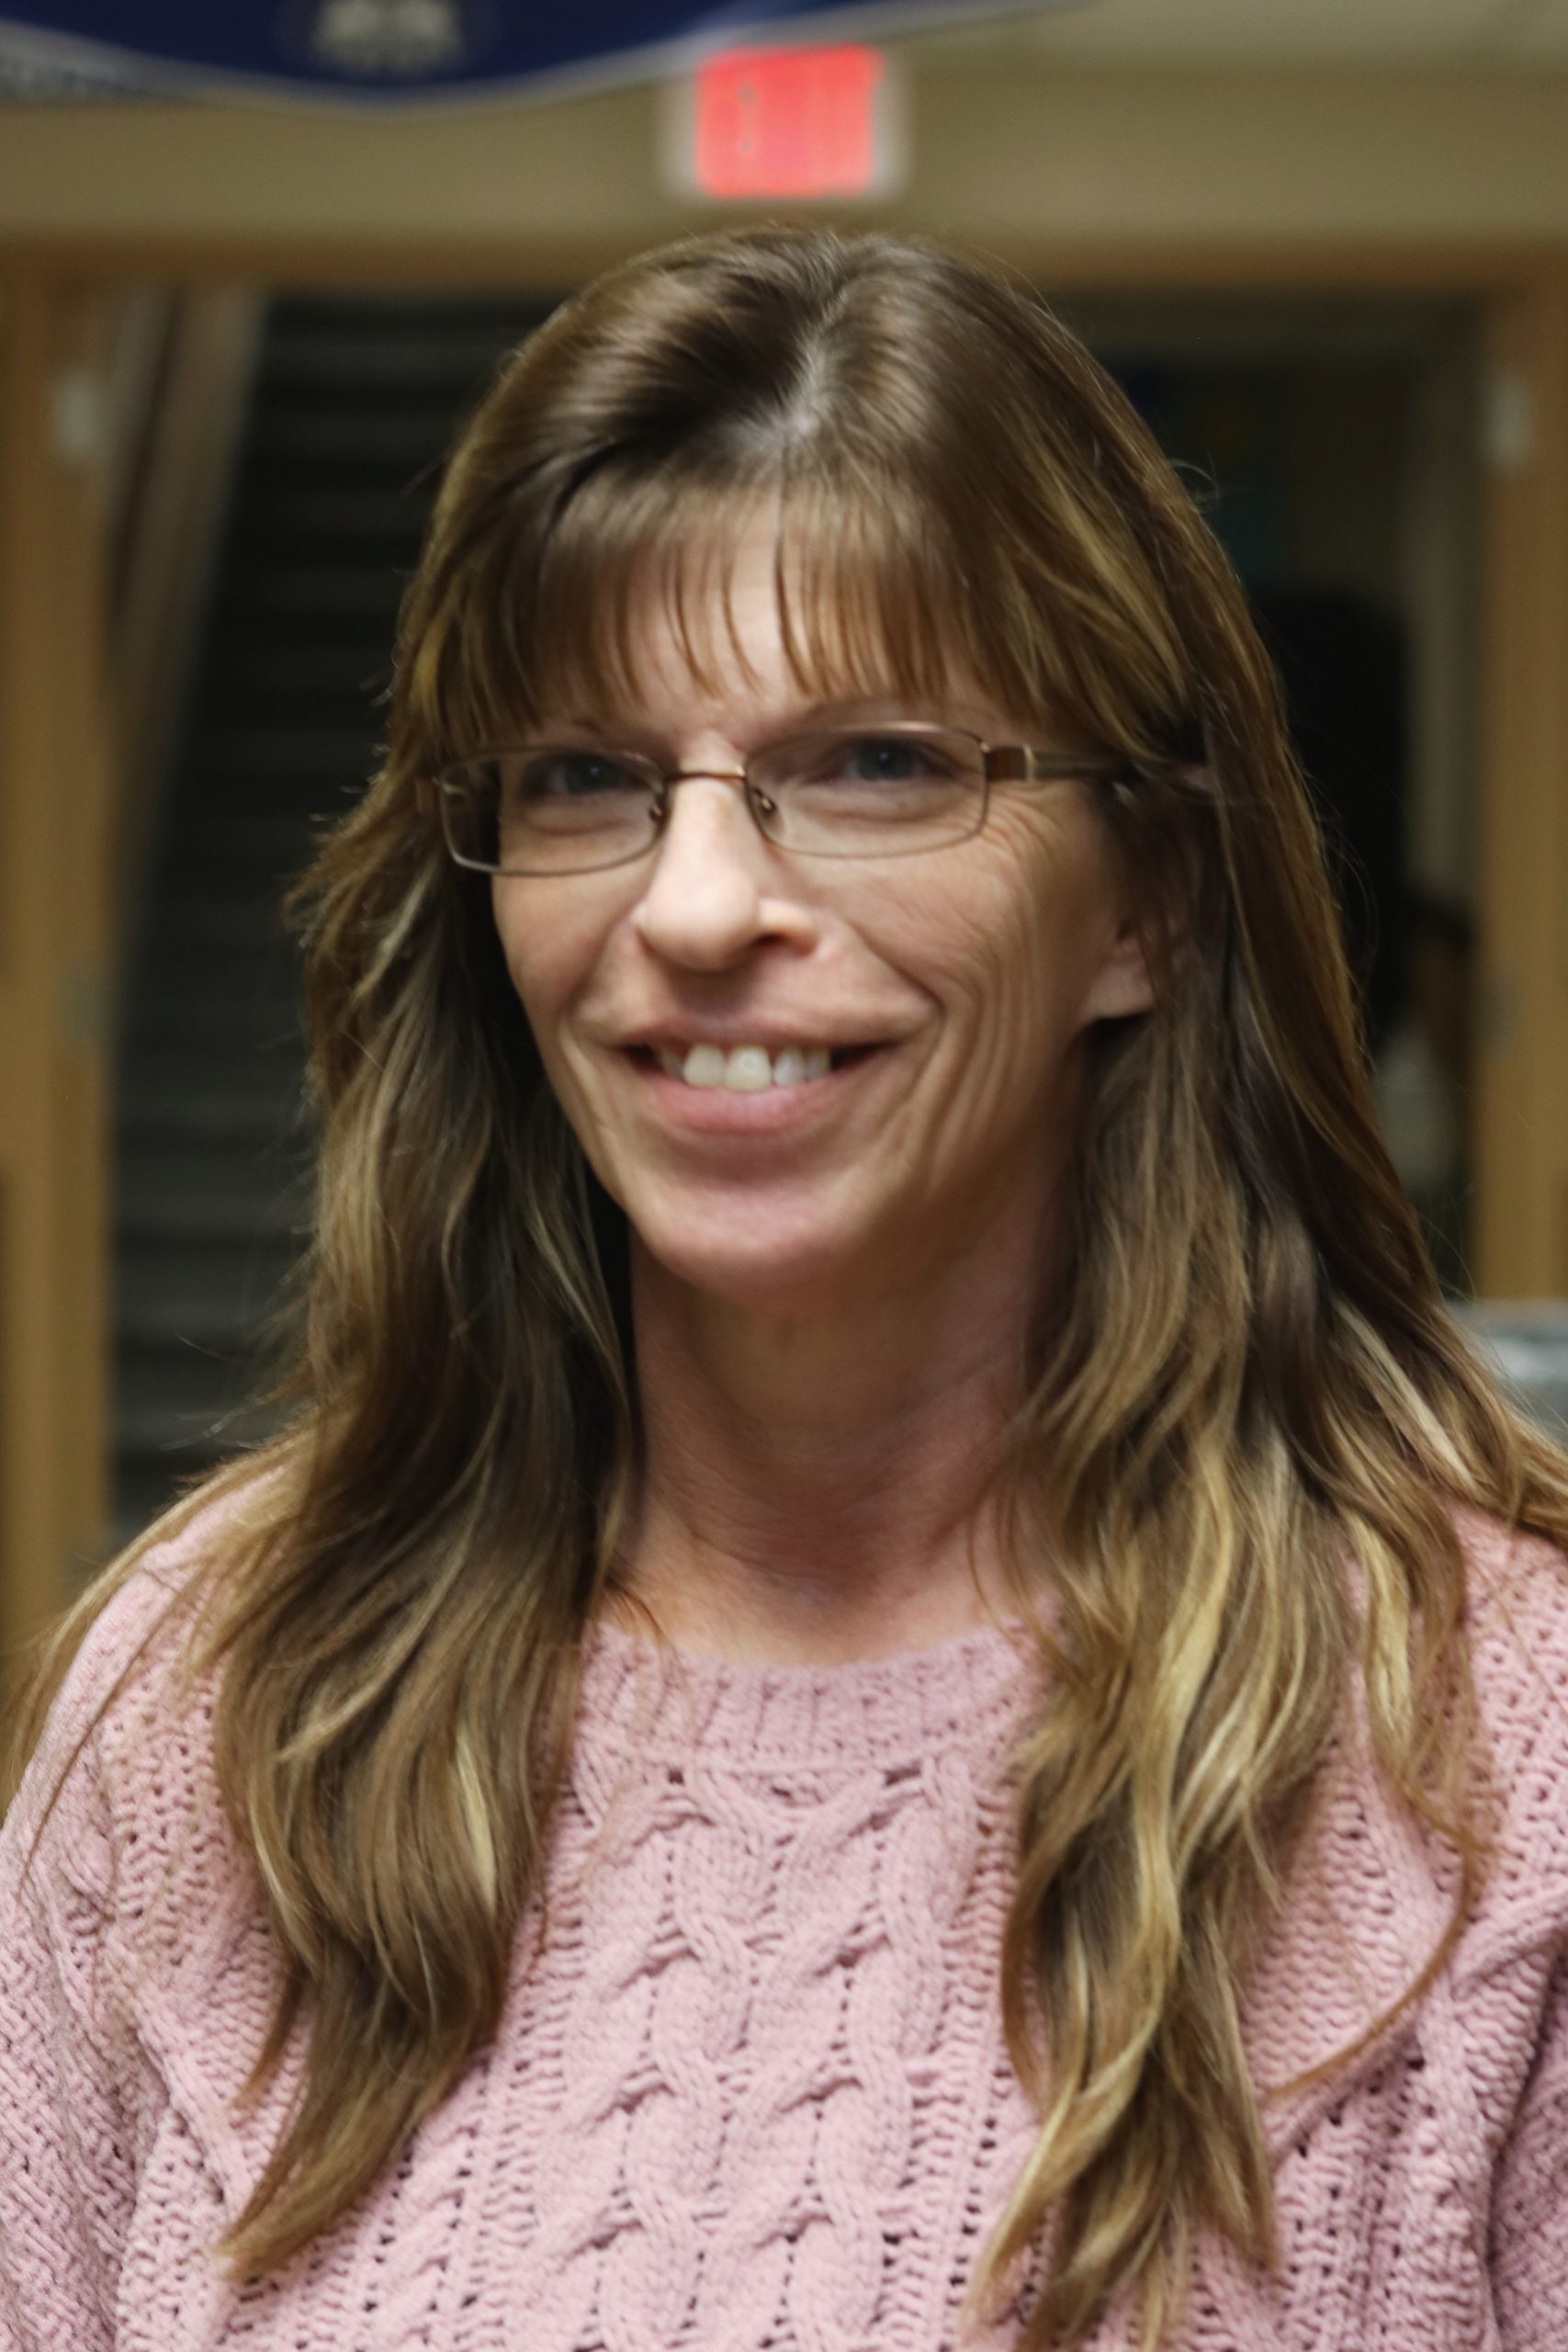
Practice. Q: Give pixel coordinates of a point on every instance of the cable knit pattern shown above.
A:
(754, 2097)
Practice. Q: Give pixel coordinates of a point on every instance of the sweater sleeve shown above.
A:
(1529, 2206)
(67, 2181)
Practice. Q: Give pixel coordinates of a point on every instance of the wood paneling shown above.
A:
(54, 800)
(180, 453)
(1521, 1134)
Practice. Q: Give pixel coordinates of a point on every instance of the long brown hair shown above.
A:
(1248, 1378)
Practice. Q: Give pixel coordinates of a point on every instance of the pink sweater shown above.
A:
(756, 2099)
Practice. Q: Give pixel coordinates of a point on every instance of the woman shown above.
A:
(897, 1684)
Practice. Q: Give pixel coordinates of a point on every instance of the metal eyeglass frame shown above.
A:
(999, 763)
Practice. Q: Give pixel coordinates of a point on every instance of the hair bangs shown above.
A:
(867, 595)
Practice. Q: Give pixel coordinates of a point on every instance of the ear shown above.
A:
(1124, 983)
(1148, 952)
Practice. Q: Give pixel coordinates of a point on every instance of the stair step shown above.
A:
(181, 1374)
(334, 754)
(312, 592)
(393, 312)
(212, 1327)
(213, 1297)
(408, 359)
(228, 906)
(180, 1192)
(232, 919)
(265, 1018)
(225, 1008)
(310, 671)
(376, 516)
(233, 1014)
(357, 702)
(254, 836)
(172, 1114)
(179, 1437)
(406, 436)
(211, 860)
(269, 1062)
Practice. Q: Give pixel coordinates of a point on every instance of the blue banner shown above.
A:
(390, 49)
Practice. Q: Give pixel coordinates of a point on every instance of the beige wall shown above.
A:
(1017, 152)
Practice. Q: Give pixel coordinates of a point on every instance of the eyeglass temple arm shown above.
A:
(1027, 764)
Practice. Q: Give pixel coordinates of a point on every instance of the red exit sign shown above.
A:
(789, 123)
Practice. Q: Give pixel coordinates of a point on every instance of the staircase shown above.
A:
(354, 404)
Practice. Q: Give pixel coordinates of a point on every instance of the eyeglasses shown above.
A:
(884, 791)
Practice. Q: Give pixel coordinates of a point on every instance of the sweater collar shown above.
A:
(970, 1691)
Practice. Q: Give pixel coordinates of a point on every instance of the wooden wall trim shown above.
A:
(530, 259)
(1010, 141)
(54, 801)
(168, 543)
(1522, 1077)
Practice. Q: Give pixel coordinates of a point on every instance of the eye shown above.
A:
(867, 767)
(557, 775)
(888, 759)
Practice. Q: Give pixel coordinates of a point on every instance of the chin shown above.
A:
(773, 1273)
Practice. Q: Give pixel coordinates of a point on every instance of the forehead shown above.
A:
(753, 597)
(711, 626)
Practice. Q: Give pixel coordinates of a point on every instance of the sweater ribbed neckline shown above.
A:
(965, 1692)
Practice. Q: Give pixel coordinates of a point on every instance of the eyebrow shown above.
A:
(846, 710)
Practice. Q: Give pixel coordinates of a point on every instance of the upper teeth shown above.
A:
(746, 1070)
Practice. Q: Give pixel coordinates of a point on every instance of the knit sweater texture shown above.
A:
(754, 2096)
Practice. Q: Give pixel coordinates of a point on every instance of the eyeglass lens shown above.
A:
(547, 808)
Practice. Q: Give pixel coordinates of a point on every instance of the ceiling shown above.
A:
(1496, 33)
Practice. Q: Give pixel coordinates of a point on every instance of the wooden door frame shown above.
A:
(56, 808)
(55, 922)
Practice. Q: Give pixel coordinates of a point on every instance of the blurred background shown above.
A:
(245, 297)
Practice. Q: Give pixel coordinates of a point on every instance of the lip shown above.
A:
(774, 1110)
(766, 1033)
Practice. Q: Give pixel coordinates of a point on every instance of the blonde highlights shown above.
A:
(959, 485)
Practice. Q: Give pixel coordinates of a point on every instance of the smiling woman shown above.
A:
(930, 1013)
(897, 1684)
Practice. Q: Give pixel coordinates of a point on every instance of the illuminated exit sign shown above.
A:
(786, 124)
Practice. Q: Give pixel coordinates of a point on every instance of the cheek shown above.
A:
(1061, 917)
(547, 955)
(1012, 953)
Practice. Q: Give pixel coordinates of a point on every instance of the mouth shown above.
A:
(748, 1069)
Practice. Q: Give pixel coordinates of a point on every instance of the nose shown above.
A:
(716, 888)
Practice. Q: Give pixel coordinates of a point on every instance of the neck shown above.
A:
(819, 1488)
